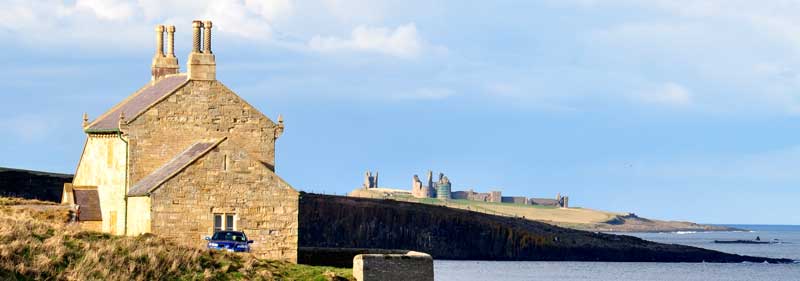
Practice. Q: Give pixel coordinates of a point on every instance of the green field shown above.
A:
(561, 216)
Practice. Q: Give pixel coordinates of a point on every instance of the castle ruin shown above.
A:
(370, 181)
(442, 189)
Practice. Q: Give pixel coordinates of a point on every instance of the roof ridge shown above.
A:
(139, 99)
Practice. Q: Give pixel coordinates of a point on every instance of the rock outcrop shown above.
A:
(345, 222)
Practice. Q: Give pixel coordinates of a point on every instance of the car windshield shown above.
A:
(229, 236)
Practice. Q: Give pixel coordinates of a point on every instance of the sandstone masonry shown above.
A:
(184, 150)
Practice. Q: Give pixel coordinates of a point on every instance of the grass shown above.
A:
(574, 217)
(37, 244)
(10, 201)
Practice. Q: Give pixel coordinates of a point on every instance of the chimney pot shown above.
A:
(196, 25)
(207, 37)
(159, 40)
(171, 41)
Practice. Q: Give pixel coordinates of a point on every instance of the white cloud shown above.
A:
(111, 10)
(402, 41)
(235, 17)
(85, 23)
(669, 94)
(270, 10)
(97, 24)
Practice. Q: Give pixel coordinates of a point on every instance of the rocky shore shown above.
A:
(446, 233)
(633, 223)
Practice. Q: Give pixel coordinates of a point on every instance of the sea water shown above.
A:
(789, 247)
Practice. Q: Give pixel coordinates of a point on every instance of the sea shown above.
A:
(789, 247)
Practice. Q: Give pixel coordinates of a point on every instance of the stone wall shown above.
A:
(200, 109)
(493, 196)
(393, 267)
(103, 165)
(460, 195)
(139, 217)
(265, 206)
(514, 199)
(96, 226)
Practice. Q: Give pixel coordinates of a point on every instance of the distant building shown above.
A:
(370, 181)
(420, 190)
(559, 201)
(443, 188)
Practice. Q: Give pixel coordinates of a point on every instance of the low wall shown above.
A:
(336, 257)
(393, 267)
(32, 184)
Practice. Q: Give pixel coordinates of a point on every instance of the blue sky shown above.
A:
(684, 110)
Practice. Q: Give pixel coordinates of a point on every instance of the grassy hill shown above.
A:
(576, 218)
(36, 244)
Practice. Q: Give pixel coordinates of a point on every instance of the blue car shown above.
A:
(231, 241)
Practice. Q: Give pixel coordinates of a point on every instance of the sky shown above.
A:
(671, 109)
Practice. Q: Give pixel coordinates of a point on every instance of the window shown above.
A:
(225, 162)
(217, 223)
(229, 222)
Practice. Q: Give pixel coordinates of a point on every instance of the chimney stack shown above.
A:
(164, 65)
(201, 64)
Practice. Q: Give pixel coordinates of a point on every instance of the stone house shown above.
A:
(183, 157)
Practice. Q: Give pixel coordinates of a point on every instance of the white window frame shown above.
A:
(224, 221)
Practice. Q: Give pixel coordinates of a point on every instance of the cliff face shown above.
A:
(32, 184)
(346, 222)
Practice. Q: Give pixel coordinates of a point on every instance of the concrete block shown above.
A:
(393, 267)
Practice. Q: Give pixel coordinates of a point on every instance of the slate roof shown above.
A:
(173, 167)
(89, 203)
(135, 104)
